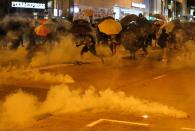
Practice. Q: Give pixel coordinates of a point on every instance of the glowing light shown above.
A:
(28, 5)
(145, 116)
(76, 9)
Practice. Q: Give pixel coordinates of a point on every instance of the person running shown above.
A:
(89, 46)
(162, 42)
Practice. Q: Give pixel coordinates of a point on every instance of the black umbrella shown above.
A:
(128, 19)
(81, 27)
(14, 23)
(159, 16)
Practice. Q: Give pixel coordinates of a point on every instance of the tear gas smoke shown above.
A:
(21, 108)
(14, 74)
(65, 51)
(18, 108)
(13, 57)
(185, 57)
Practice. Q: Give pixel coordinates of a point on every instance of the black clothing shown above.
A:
(162, 41)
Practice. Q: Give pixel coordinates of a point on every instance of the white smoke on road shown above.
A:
(18, 108)
(64, 51)
(67, 100)
(183, 57)
(12, 57)
(22, 108)
(14, 74)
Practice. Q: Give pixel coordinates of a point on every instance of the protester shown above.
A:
(162, 42)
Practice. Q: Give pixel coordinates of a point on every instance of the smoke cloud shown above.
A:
(185, 57)
(63, 52)
(21, 108)
(14, 74)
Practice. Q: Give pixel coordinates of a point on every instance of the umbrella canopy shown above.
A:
(81, 22)
(168, 26)
(14, 23)
(110, 27)
(158, 22)
(41, 30)
(142, 21)
(172, 25)
(63, 25)
(80, 27)
(128, 19)
(51, 24)
(67, 24)
(159, 16)
(104, 18)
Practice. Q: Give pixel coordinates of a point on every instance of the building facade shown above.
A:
(115, 8)
(36, 8)
(175, 8)
(100, 8)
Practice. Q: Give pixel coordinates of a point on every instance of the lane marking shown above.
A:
(95, 123)
(159, 77)
(188, 129)
(116, 121)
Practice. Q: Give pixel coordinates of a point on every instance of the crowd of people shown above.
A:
(133, 32)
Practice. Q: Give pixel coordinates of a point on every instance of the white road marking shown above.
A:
(159, 77)
(188, 129)
(115, 121)
(95, 123)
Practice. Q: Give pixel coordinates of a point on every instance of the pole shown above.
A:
(175, 9)
(156, 7)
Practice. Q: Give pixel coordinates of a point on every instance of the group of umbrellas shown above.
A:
(46, 26)
(107, 26)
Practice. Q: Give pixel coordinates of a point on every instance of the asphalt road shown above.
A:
(152, 81)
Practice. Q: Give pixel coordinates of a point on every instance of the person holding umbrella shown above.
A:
(113, 44)
(111, 28)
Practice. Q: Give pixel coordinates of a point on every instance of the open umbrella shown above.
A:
(142, 21)
(80, 27)
(158, 22)
(51, 24)
(104, 18)
(110, 27)
(41, 30)
(14, 23)
(168, 26)
(67, 24)
(159, 16)
(128, 19)
(172, 25)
